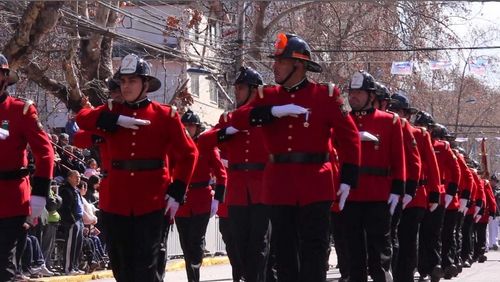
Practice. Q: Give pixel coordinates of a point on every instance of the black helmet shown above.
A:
(362, 80)
(400, 102)
(249, 76)
(382, 92)
(4, 66)
(423, 118)
(132, 64)
(292, 46)
(112, 83)
(494, 177)
(190, 118)
(440, 131)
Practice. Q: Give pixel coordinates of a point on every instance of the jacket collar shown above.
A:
(363, 112)
(139, 104)
(303, 83)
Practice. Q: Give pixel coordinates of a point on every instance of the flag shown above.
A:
(484, 159)
(402, 68)
(438, 65)
(478, 66)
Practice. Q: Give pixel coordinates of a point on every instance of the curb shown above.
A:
(175, 265)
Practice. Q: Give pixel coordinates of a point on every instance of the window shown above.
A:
(195, 85)
(214, 95)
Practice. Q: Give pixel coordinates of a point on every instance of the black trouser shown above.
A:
(231, 249)
(73, 234)
(480, 239)
(408, 237)
(272, 272)
(192, 237)
(369, 222)
(467, 242)
(337, 228)
(429, 241)
(394, 235)
(10, 230)
(163, 255)
(458, 238)
(448, 250)
(134, 245)
(251, 228)
(301, 241)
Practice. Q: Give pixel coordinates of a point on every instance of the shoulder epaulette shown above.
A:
(403, 122)
(27, 104)
(331, 88)
(395, 117)
(173, 110)
(260, 90)
(110, 104)
(424, 130)
(224, 116)
(446, 144)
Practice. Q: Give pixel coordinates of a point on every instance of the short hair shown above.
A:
(73, 172)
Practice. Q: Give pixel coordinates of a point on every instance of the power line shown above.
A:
(415, 49)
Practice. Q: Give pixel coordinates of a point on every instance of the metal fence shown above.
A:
(213, 239)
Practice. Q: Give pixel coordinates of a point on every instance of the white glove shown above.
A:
(476, 210)
(130, 122)
(214, 207)
(406, 200)
(3, 134)
(463, 206)
(287, 110)
(225, 163)
(433, 207)
(343, 193)
(447, 200)
(393, 202)
(172, 206)
(231, 130)
(477, 218)
(37, 205)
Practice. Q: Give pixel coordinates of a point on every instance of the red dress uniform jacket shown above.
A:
(413, 164)
(466, 178)
(199, 194)
(132, 191)
(477, 194)
(247, 157)
(429, 175)
(301, 183)
(449, 169)
(491, 205)
(382, 162)
(21, 120)
(334, 159)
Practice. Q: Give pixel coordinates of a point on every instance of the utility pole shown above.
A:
(241, 35)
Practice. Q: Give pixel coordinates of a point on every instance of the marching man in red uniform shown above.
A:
(297, 117)
(192, 217)
(247, 157)
(20, 197)
(369, 208)
(141, 135)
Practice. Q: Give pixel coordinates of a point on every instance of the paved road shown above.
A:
(480, 272)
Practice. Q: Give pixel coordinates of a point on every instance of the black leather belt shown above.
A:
(138, 165)
(299, 158)
(198, 185)
(247, 166)
(377, 171)
(422, 182)
(14, 174)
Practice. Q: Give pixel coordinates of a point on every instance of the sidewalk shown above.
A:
(173, 265)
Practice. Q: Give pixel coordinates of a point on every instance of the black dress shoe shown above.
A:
(424, 278)
(482, 258)
(465, 264)
(450, 271)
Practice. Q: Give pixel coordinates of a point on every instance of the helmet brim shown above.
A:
(13, 77)
(310, 65)
(154, 83)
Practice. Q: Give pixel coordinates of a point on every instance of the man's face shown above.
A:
(116, 95)
(282, 67)
(3, 79)
(74, 179)
(241, 91)
(358, 99)
(191, 128)
(131, 86)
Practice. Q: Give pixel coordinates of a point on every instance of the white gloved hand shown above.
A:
(3, 134)
(172, 206)
(433, 206)
(343, 193)
(476, 210)
(447, 200)
(477, 218)
(393, 202)
(406, 200)
(37, 205)
(130, 122)
(463, 206)
(214, 207)
(225, 163)
(287, 110)
(231, 130)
